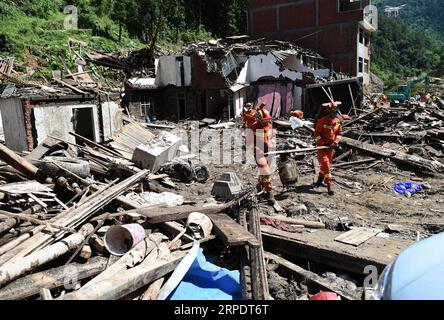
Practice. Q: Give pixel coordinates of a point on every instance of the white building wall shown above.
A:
(168, 71)
(57, 121)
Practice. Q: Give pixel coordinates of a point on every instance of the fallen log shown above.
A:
(30, 285)
(7, 225)
(131, 258)
(6, 251)
(303, 274)
(413, 161)
(13, 270)
(130, 280)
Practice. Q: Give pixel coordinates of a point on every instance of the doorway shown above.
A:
(83, 123)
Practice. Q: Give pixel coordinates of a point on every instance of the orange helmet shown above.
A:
(263, 115)
(298, 114)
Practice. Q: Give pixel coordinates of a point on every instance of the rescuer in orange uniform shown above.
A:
(328, 133)
(259, 121)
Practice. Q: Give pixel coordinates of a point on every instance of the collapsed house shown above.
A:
(30, 115)
(218, 78)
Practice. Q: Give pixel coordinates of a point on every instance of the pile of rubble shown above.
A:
(90, 209)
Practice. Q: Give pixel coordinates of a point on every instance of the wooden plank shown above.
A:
(42, 149)
(30, 285)
(75, 216)
(320, 247)
(303, 274)
(25, 187)
(129, 280)
(357, 236)
(63, 83)
(413, 161)
(231, 232)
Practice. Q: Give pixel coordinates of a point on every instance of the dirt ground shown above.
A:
(363, 197)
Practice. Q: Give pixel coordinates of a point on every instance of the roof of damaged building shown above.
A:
(228, 56)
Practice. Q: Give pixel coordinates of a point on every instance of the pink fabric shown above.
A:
(283, 98)
(266, 95)
(287, 97)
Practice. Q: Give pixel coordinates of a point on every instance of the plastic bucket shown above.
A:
(121, 239)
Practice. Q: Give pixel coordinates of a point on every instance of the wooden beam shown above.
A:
(320, 282)
(232, 232)
(413, 161)
(304, 150)
(129, 280)
(17, 162)
(30, 285)
(362, 117)
(320, 247)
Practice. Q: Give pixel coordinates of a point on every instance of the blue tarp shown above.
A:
(206, 281)
(408, 188)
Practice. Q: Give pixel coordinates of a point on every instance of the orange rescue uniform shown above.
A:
(328, 133)
(259, 121)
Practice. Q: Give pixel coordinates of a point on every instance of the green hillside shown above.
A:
(410, 44)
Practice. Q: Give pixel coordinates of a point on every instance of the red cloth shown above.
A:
(325, 296)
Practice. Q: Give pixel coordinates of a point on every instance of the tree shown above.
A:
(119, 14)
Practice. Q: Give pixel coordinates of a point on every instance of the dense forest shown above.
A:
(410, 44)
(405, 46)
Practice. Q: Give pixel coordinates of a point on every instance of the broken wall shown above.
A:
(13, 124)
(58, 121)
(262, 66)
(173, 70)
(112, 118)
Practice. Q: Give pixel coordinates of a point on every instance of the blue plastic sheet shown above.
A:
(206, 281)
(408, 188)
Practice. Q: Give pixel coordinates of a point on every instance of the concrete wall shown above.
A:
(261, 66)
(58, 121)
(201, 79)
(313, 24)
(13, 124)
(168, 71)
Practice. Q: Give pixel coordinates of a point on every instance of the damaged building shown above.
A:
(218, 78)
(340, 30)
(30, 115)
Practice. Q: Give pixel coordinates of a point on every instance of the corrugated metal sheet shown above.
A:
(129, 137)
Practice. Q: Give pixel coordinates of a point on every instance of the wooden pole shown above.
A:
(17, 162)
(96, 144)
(13, 270)
(296, 151)
(30, 285)
(353, 100)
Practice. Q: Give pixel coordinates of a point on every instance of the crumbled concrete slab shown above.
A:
(158, 151)
(227, 186)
